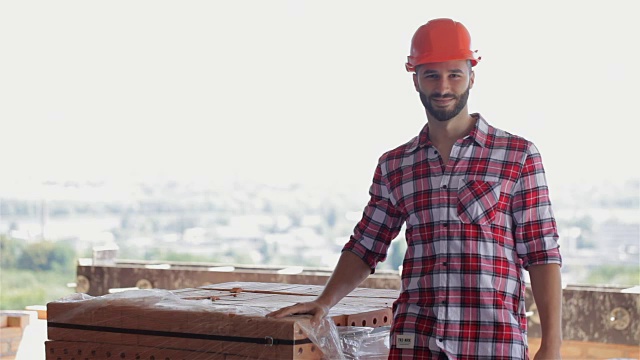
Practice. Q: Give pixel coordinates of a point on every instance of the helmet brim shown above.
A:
(412, 62)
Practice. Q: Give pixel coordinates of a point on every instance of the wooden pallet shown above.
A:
(78, 350)
(219, 321)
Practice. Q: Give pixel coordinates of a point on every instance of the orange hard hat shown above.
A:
(440, 40)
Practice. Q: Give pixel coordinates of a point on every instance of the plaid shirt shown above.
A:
(472, 226)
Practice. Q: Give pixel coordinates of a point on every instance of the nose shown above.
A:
(443, 85)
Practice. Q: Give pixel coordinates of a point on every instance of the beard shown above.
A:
(444, 114)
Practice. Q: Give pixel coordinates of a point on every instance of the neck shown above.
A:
(451, 130)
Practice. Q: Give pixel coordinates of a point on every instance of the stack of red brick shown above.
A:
(221, 321)
(12, 326)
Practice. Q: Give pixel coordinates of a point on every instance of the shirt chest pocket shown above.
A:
(477, 200)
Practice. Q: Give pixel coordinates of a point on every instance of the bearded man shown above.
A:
(476, 207)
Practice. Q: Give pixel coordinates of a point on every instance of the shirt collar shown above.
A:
(479, 134)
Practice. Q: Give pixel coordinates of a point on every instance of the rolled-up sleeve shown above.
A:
(535, 229)
(380, 224)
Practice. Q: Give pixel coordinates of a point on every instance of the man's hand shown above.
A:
(546, 353)
(314, 308)
(350, 271)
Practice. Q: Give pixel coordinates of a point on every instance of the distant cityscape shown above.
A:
(238, 222)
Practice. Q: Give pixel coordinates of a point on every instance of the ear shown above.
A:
(472, 79)
(415, 82)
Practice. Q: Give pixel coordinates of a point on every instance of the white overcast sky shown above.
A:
(300, 90)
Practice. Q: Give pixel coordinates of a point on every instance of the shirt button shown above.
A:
(444, 263)
(444, 186)
(445, 224)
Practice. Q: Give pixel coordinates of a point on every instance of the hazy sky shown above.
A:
(300, 90)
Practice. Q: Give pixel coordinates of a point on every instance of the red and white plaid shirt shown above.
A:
(471, 229)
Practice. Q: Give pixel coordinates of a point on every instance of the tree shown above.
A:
(46, 255)
(10, 251)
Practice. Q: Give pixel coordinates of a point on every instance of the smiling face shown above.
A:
(444, 87)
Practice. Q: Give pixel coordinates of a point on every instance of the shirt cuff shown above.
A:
(370, 258)
(550, 256)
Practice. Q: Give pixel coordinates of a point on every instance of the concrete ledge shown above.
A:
(582, 350)
(603, 315)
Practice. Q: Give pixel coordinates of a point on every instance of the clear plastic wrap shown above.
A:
(196, 324)
(364, 343)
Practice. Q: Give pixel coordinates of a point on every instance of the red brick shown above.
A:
(374, 318)
(18, 320)
(5, 346)
(41, 310)
(15, 344)
(10, 333)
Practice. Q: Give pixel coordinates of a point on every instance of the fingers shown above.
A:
(319, 312)
(317, 318)
(300, 308)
